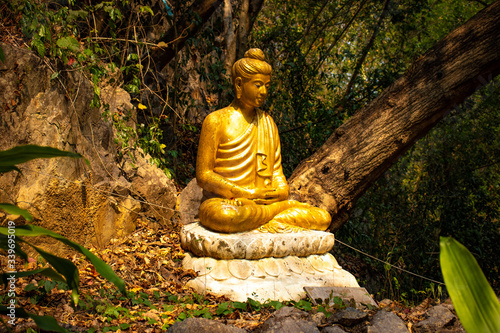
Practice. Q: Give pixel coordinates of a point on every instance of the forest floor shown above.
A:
(149, 260)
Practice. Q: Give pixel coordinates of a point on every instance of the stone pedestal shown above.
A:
(259, 265)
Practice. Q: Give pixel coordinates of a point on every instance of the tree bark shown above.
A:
(236, 39)
(230, 37)
(362, 149)
(248, 14)
(188, 26)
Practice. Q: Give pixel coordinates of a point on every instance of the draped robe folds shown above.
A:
(253, 160)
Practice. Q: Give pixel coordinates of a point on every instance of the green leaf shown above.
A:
(69, 43)
(8, 168)
(54, 75)
(40, 48)
(4, 244)
(2, 55)
(473, 298)
(146, 9)
(13, 209)
(21, 154)
(46, 323)
(100, 266)
(48, 272)
(66, 268)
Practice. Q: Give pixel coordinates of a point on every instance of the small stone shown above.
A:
(348, 317)
(439, 316)
(202, 325)
(290, 311)
(290, 320)
(385, 302)
(288, 325)
(189, 202)
(384, 321)
(318, 318)
(333, 329)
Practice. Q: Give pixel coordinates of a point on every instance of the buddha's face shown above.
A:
(254, 91)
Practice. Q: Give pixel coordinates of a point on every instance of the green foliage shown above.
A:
(13, 209)
(474, 300)
(68, 37)
(65, 271)
(2, 55)
(63, 266)
(38, 292)
(303, 305)
(314, 47)
(21, 154)
(46, 323)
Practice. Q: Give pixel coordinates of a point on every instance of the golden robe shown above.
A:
(253, 160)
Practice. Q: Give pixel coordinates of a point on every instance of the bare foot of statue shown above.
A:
(279, 227)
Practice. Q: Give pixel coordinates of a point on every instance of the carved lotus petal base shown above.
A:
(280, 279)
(254, 244)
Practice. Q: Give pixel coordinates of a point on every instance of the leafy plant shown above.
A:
(2, 55)
(63, 269)
(473, 298)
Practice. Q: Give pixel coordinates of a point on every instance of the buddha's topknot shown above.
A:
(255, 54)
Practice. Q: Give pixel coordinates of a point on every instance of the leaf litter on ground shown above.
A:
(150, 262)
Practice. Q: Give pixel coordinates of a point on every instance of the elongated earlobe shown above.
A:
(237, 87)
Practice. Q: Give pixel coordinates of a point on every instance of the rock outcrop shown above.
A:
(88, 204)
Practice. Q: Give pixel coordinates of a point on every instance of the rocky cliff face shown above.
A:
(88, 204)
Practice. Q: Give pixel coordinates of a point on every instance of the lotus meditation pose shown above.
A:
(239, 162)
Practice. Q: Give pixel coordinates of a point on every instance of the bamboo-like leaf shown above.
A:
(2, 55)
(13, 209)
(48, 272)
(66, 268)
(100, 266)
(8, 168)
(4, 244)
(46, 323)
(473, 298)
(21, 154)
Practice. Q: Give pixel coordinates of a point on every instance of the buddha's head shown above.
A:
(251, 76)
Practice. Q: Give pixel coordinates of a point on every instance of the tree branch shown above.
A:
(363, 148)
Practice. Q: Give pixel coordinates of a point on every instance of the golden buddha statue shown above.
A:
(239, 162)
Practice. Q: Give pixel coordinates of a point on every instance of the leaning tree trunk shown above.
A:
(362, 149)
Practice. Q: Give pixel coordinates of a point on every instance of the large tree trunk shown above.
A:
(175, 38)
(362, 149)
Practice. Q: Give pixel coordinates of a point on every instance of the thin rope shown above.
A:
(385, 262)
